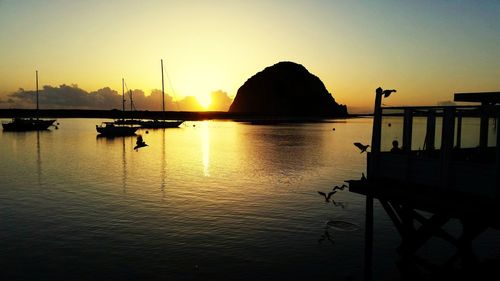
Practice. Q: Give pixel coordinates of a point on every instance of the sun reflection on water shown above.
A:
(205, 147)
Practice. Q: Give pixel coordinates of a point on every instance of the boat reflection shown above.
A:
(113, 137)
(163, 166)
(38, 159)
(124, 164)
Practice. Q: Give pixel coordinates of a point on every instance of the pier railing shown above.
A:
(448, 148)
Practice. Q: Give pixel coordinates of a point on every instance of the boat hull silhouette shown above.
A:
(21, 124)
(111, 129)
(155, 124)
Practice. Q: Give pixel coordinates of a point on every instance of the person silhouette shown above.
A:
(395, 147)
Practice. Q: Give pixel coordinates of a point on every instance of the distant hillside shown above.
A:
(286, 89)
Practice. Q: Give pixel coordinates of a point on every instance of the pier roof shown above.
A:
(482, 97)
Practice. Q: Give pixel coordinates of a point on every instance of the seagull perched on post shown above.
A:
(387, 93)
(361, 146)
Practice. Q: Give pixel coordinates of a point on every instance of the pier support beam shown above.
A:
(459, 131)
(483, 129)
(430, 135)
(447, 138)
(368, 238)
(498, 157)
(407, 130)
(406, 219)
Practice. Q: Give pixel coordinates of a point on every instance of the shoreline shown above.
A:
(168, 115)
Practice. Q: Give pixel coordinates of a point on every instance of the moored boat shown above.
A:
(159, 124)
(120, 127)
(113, 129)
(27, 124)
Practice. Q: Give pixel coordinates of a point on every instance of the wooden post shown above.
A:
(407, 130)
(368, 237)
(376, 134)
(372, 171)
(430, 136)
(376, 131)
(498, 155)
(459, 131)
(483, 129)
(447, 137)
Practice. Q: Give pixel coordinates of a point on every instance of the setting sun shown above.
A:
(205, 101)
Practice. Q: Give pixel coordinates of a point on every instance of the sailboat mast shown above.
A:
(123, 98)
(162, 90)
(37, 110)
(131, 101)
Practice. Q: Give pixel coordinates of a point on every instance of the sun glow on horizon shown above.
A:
(205, 101)
(215, 46)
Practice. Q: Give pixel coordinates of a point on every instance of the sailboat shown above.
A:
(158, 124)
(131, 121)
(117, 128)
(29, 124)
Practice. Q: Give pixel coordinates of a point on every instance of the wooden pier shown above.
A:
(423, 188)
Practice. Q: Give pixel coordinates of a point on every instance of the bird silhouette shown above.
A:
(387, 93)
(337, 204)
(339, 187)
(361, 146)
(326, 236)
(327, 196)
(139, 143)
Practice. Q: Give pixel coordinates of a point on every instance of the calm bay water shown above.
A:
(211, 200)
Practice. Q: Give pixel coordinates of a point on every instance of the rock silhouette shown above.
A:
(286, 89)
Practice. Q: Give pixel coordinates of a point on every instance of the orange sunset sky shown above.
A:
(427, 50)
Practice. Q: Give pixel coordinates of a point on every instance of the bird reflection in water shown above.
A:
(343, 205)
(331, 193)
(326, 236)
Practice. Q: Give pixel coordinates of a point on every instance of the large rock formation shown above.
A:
(286, 89)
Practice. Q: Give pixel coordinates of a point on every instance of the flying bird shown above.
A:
(327, 196)
(339, 187)
(361, 146)
(139, 143)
